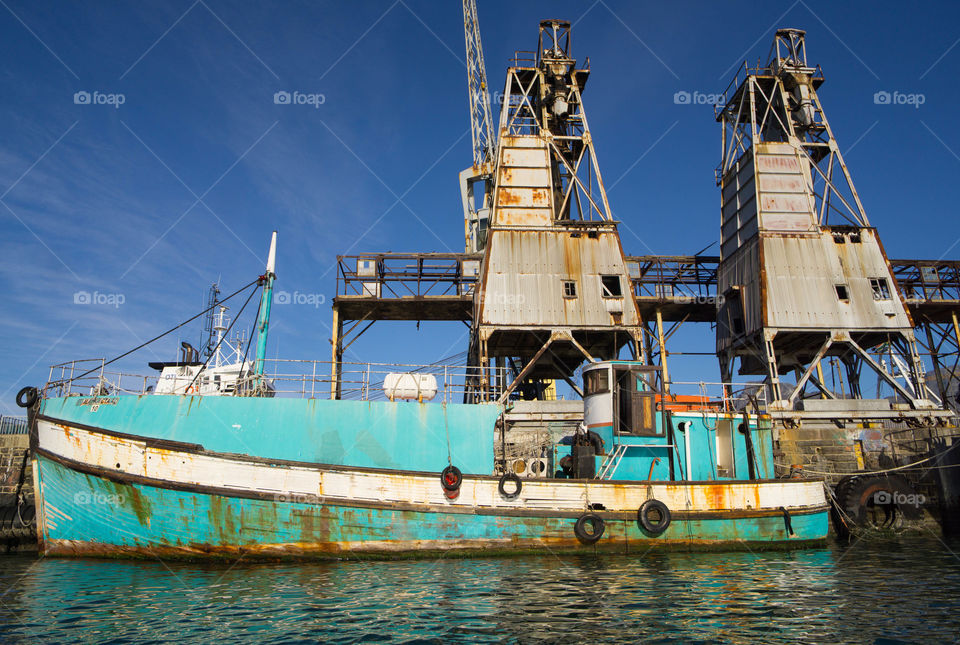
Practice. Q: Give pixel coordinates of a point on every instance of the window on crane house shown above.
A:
(610, 286)
(880, 288)
(842, 293)
(595, 382)
(569, 288)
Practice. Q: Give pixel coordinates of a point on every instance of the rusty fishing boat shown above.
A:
(303, 458)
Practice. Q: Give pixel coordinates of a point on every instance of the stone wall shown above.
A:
(13, 537)
(827, 448)
(12, 449)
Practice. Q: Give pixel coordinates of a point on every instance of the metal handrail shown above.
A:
(286, 377)
(13, 425)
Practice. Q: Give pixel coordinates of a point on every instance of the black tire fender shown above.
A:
(27, 396)
(502, 486)
(866, 490)
(649, 524)
(595, 531)
(451, 478)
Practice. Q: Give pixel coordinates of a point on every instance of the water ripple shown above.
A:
(903, 591)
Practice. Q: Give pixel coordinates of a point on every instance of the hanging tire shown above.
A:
(844, 485)
(502, 486)
(589, 528)
(451, 478)
(880, 502)
(27, 396)
(654, 516)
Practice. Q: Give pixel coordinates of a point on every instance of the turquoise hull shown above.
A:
(96, 516)
(277, 478)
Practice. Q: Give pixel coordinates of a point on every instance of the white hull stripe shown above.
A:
(138, 460)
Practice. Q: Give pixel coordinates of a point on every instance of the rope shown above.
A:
(887, 470)
(446, 427)
(190, 320)
(19, 493)
(836, 504)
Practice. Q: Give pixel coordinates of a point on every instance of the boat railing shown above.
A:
(295, 378)
(701, 396)
(13, 425)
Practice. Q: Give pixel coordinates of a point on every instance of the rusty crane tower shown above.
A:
(553, 288)
(802, 273)
(476, 181)
(802, 296)
(805, 292)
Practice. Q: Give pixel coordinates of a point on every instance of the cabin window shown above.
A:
(842, 293)
(595, 382)
(634, 404)
(569, 289)
(610, 286)
(880, 288)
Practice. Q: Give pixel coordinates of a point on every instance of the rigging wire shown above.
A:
(220, 342)
(141, 346)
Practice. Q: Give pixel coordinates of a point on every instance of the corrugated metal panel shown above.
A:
(740, 270)
(783, 178)
(802, 274)
(739, 208)
(524, 157)
(524, 195)
(527, 270)
(531, 177)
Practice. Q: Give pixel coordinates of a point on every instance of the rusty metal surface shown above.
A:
(684, 287)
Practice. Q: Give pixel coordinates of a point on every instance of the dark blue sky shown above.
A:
(151, 201)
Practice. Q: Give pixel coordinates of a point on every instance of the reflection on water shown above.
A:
(907, 590)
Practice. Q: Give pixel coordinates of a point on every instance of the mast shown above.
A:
(266, 299)
(209, 342)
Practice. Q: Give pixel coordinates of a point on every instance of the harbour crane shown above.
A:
(476, 181)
